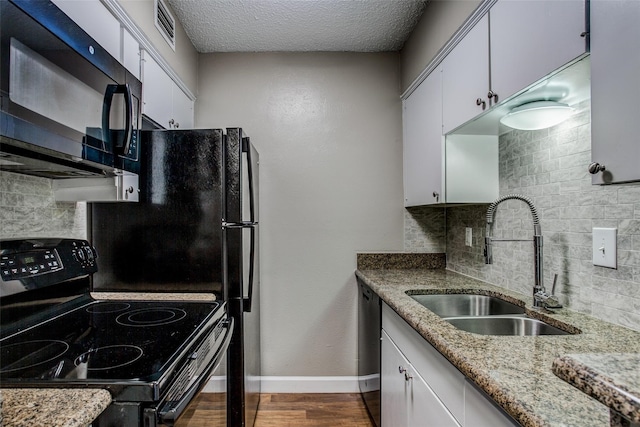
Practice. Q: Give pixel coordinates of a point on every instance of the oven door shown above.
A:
(207, 362)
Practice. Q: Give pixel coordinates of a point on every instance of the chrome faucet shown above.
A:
(540, 296)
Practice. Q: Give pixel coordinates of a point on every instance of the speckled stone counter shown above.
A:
(153, 296)
(515, 371)
(612, 378)
(30, 407)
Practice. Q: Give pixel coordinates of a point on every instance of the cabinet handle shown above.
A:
(480, 101)
(407, 377)
(437, 196)
(401, 370)
(595, 167)
(492, 94)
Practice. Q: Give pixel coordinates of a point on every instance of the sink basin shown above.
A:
(504, 325)
(456, 305)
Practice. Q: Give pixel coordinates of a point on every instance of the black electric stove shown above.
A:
(152, 356)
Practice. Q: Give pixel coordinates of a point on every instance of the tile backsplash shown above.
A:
(550, 167)
(28, 209)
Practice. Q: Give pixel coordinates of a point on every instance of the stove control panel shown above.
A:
(62, 259)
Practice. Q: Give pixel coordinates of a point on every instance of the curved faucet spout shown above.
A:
(538, 286)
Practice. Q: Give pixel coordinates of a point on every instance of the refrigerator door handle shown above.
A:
(252, 256)
(246, 301)
(246, 148)
(243, 224)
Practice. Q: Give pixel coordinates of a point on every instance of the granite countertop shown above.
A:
(77, 406)
(516, 371)
(154, 296)
(57, 407)
(612, 378)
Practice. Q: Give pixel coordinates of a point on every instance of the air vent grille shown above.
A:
(165, 22)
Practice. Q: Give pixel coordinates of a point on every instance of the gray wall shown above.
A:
(549, 166)
(27, 209)
(329, 131)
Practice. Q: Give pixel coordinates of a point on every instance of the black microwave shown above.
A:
(69, 109)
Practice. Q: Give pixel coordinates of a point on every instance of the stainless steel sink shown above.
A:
(485, 315)
(504, 325)
(455, 305)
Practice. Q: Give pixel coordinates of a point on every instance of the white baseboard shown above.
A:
(348, 384)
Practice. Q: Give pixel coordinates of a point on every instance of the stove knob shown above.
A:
(81, 255)
(89, 253)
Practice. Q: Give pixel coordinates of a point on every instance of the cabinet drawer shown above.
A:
(443, 378)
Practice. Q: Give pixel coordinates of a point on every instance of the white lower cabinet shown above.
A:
(407, 400)
(433, 392)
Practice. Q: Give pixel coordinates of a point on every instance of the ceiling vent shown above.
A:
(165, 22)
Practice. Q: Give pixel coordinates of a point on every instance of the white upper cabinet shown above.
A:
(163, 101)
(439, 169)
(530, 39)
(96, 20)
(423, 143)
(465, 77)
(615, 61)
(156, 92)
(182, 108)
(515, 44)
(131, 53)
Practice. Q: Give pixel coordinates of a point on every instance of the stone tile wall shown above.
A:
(424, 229)
(550, 167)
(28, 209)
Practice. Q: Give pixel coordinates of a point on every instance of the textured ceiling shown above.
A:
(298, 25)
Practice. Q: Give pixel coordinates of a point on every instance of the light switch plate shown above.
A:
(605, 247)
(468, 236)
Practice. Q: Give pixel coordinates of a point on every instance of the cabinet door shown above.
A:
(425, 409)
(96, 20)
(615, 65)
(422, 143)
(131, 53)
(394, 390)
(465, 77)
(156, 92)
(443, 378)
(182, 109)
(532, 38)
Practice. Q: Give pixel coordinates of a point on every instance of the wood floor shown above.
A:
(290, 410)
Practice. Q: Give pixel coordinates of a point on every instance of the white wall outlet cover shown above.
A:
(468, 236)
(605, 247)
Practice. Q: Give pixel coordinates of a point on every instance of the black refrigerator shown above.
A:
(195, 229)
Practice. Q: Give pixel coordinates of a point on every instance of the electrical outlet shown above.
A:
(605, 247)
(468, 236)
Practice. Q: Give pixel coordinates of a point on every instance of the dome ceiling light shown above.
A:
(537, 115)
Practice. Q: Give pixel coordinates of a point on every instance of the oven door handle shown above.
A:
(168, 416)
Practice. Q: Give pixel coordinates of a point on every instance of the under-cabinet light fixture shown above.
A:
(537, 115)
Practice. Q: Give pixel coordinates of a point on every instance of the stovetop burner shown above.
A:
(151, 317)
(108, 307)
(27, 354)
(109, 357)
(110, 340)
